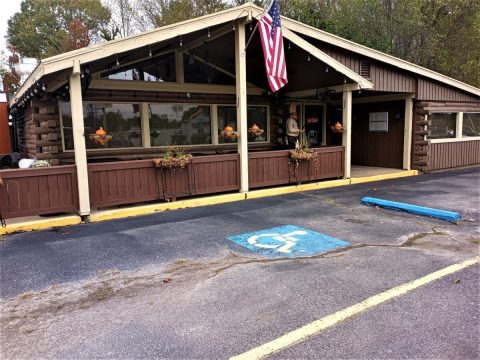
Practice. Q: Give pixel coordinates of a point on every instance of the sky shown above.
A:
(9, 7)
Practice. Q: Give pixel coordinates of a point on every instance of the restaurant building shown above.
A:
(101, 114)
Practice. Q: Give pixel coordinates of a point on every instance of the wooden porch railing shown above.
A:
(51, 190)
(271, 168)
(40, 191)
(129, 182)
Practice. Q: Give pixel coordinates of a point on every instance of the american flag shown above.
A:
(272, 42)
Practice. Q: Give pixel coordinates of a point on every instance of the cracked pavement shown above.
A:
(170, 285)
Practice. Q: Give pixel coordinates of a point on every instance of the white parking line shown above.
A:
(314, 328)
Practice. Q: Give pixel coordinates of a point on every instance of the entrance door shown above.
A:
(377, 134)
(313, 122)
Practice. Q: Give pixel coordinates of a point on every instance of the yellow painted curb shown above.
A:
(43, 224)
(323, 185)
(150, 209)
(295, 188)
(365, 179)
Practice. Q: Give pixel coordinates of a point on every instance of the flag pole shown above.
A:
(256, 26)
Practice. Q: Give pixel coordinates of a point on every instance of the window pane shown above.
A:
(160, 68)
(198, 72)
(471, 124)
(179, 124)
(256, 115)
(121, 121)
(227, 116)
(443, 125)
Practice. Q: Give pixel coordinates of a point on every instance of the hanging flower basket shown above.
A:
(255, 131)
(100, 139)
(337, 128)
(171, 162)
(229, 134)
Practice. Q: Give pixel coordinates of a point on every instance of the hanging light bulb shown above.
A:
(326, 70)
(181, 42)
(344, 80)
(250, 27)
(289, 45)
(149, 51)
(233, 25)
(308, 58)
(208, 33)
(118, 62)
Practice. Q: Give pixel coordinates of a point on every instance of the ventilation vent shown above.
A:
(365, 69)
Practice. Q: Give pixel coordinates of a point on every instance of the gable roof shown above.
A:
(111, 48)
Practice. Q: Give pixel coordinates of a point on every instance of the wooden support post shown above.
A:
(78, 129)
(145, 120)
(459, 125)
(347, 133)
(407, 133)
(241, 91)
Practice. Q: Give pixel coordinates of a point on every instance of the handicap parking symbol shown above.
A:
(288, 240)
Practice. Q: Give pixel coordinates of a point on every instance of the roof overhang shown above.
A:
(290, 28)
(103, 50)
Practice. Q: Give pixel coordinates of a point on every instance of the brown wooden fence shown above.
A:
(274, 167)
(453, 154)
(128, 182)
(41, 191)
(51, 190)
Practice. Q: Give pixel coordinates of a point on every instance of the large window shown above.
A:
(121, 121)
(471, 124)
(443, 125)
(173, 124)
(179, 124)
(197, 70)
(256, 115)
(160, 68)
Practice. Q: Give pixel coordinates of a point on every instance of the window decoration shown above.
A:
(101, 137)
(256, 115)
(229, 134)
(179, 124)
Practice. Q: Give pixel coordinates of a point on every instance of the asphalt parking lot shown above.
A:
(171, 285)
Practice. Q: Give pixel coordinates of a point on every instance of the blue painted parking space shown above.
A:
(288, 240)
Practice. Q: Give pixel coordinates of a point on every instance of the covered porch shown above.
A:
(179, 86)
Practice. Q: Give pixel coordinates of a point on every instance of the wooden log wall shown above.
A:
(42, 131)
(420, 143)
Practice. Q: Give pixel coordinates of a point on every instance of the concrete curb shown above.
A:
(42, 224)
(113, 214)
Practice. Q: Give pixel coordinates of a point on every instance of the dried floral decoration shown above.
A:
(174, 158)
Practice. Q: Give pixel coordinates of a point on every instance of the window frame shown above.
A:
(250, 142)
(458, 128)
(145, 125)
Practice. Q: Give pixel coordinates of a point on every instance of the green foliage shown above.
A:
(45, 28)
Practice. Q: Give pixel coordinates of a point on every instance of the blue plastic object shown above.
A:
(414, 209)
